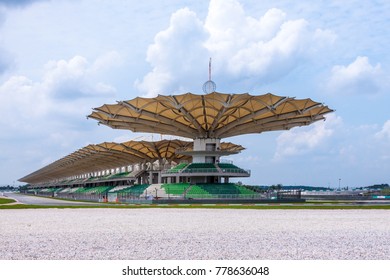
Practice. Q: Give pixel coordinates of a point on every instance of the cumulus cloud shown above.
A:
(265, 48)
(359, 77)
(176, 54)
(242, 47)
(64, 90)
(20, 94)
(70, 79)
(107, 61)
(385, 131)
(298, 141)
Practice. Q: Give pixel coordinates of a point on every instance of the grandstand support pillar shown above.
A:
(151, 177)
(226, 180)
(145, 178)
(159, 177)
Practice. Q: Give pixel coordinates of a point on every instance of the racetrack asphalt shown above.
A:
(37, 200)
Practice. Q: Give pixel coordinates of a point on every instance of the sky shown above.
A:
(59, 59)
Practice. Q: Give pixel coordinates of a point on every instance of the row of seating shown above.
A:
(49, 190)
(205, 168)
(206, 189)
(109, 176)
(69, 190)
(227, 165)
(220, 189)
(200, 167)
(136, 189)
(175, 189)
(119, 175)
(177, 168)
(94, 190)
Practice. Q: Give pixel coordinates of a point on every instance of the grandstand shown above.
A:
(136, 190)
(172, 168)
(176, 189)
(178, 168)
(220, 191)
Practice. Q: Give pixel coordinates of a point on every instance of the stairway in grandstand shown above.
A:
(118, 188)
(178, 168)
(156, 191)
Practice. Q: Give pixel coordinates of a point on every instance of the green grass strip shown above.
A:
(177, 206)
(6, 200)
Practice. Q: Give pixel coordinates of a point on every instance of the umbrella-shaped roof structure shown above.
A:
(213, 115)
(107, 155)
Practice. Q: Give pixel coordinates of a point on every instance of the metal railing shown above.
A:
(225, 196)
(208, 170)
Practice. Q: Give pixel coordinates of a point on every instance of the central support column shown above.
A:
(204, 150)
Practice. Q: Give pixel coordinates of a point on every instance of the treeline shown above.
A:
(9, 188)
(277, 187)
(375, 187)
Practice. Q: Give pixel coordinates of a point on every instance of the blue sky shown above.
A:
(59, 59)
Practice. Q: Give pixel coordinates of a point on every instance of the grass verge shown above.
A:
(6, 201)
(257, 207)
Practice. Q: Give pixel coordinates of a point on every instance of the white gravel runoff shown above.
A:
(201, 234)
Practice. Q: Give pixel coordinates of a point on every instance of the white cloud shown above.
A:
(242, 47)
(74, 78)
(46, 118)
(357, 77)
(298, 141)
(107, 61)
(264, 48)
(64, 77)
(21, 99)
(64, 91)
(385, 132)
(175, 54)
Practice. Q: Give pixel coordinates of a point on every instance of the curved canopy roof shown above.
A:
(107, 155)
(214, 115)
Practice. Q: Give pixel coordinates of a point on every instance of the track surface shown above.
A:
(211, 234)
(36, 200)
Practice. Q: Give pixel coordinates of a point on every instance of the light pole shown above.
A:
(339, 184)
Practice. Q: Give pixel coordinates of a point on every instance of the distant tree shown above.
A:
(385, 191)
(276, 187)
